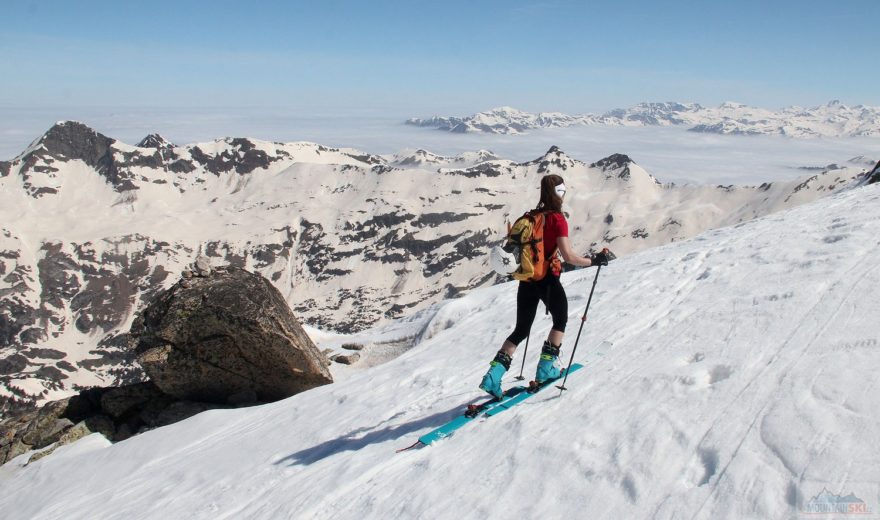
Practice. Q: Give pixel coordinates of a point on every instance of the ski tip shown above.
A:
(415, 445)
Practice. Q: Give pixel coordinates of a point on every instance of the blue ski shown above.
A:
(511, 398)
(515, 400)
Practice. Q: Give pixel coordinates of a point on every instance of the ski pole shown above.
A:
(583, 320)
(526, 351)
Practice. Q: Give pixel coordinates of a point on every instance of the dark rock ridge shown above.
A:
(614, 161)
(155, 141)
(874, 175)
(242, 156)
(486, 169)
(420, 157)
(553, 158)
(224, 334)
(70, 140)
(617, 163)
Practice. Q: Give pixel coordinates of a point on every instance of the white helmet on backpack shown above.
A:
(502, 262)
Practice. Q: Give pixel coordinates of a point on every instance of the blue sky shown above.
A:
(424, 57)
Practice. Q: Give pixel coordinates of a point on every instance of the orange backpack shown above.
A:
(525, 239)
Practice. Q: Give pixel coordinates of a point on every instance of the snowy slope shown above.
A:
(92, 228)
(833, 119)
(741, 383)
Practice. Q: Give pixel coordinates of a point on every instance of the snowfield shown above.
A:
(733, 375)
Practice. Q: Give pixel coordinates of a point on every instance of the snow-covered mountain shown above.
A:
(833, 119)
(732, 375)
(501, 120)
(92, 228)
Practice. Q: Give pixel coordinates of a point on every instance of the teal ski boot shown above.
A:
(491, 383)
(548, 365)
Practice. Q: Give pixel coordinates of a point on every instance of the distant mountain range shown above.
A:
(91, 228)
(833, 119)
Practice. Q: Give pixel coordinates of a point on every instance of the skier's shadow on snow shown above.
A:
(354, 440)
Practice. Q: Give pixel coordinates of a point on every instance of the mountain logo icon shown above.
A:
(826, 502)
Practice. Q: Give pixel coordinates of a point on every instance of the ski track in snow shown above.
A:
(738, 379)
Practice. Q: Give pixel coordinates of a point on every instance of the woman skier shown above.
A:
(548, 289)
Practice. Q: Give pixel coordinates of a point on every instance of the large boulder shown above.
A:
(220, 334)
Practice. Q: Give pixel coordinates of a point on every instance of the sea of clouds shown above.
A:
(671, 154)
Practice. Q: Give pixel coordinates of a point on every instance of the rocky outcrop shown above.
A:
(220, 337)
(346, 359)
(154, 141)
(226, 334)
(554, 158)
(73, 140)
(116, 413)
(874, 176)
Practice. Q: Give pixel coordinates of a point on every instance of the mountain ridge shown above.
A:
(832, 119)
(93, 227)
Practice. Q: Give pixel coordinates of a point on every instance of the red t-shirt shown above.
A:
(555, 226)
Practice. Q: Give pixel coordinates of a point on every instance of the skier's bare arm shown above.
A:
(568, 254)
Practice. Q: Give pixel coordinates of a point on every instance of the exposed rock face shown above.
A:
(215, 337)
(117, 413)
(346, 359)
(553, 158)
(615, 165)
(154, 141)
(70, 139)
(874, 176)
(615, 161)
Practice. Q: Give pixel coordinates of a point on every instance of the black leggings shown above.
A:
(549, 291)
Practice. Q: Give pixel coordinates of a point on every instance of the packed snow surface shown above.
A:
(733, 375)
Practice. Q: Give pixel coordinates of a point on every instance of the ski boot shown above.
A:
(548, 365)
(491, 383)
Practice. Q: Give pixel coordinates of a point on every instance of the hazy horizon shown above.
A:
(672, 154)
